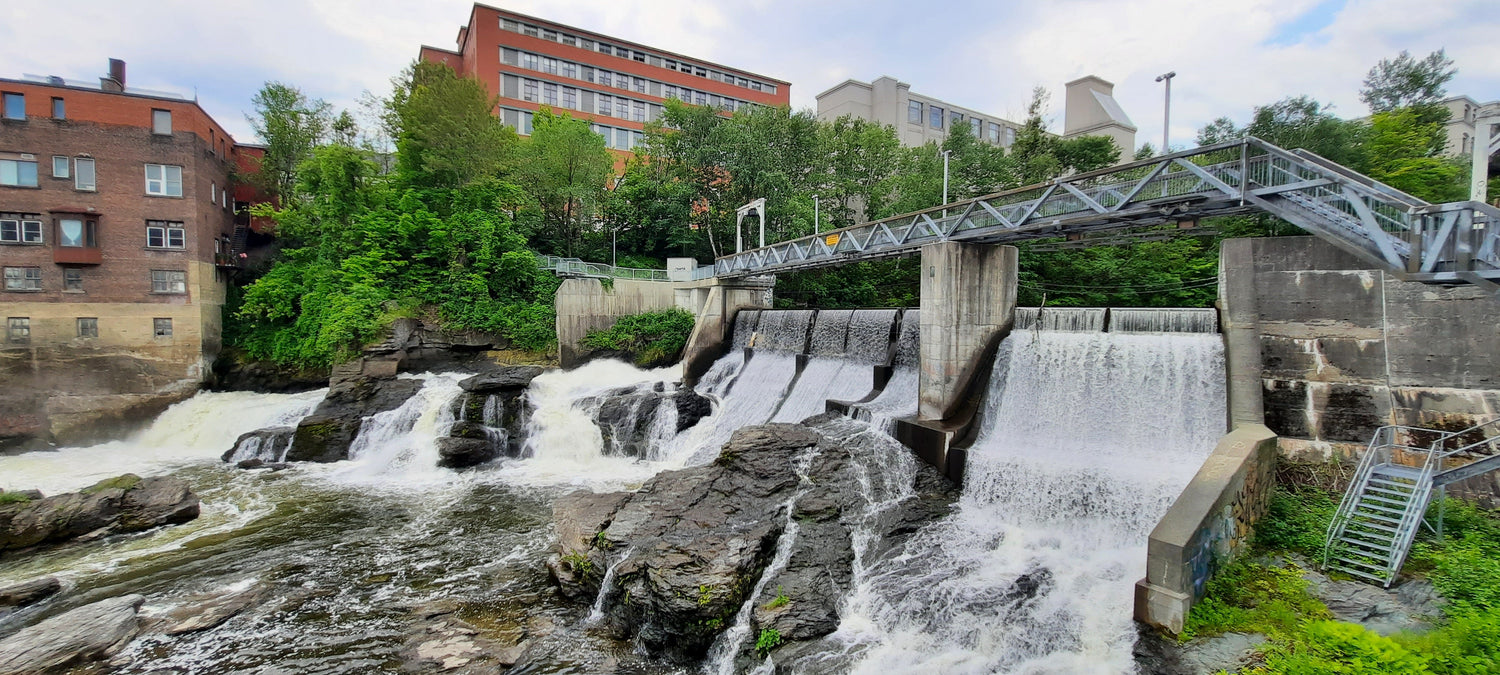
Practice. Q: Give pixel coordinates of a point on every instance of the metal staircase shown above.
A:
(1374, 527)
(1409, 238)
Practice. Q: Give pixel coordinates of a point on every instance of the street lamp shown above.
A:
(815, 214)
(1166, 121)
(945, 180)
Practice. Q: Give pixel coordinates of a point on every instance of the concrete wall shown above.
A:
(718, 302)
(968, 299)
(1344, 349)
(585, 304)
(1211, 521)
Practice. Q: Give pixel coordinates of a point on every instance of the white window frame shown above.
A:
(166, 234)
(15, 172)
(18, 330)
(164, 183)
(60, 169)
(79, 182)
(66, 280)
(21, 231)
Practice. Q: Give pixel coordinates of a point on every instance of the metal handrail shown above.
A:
(1492, 439)
(576, 267)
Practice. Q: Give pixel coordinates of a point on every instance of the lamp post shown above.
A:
(945, 180)
(815, 214)
(1166, 117)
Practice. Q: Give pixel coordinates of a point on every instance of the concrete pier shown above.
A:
(968, 303)
(716, 302)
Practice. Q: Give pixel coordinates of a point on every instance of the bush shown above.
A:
(769, 639)
(655, 338)
(1326, 647)
(1296, 521)
(1246, 597)
(13, 498)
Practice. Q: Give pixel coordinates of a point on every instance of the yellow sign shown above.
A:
(832, 240)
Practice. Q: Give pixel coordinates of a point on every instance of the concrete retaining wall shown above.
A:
(585, 304)
(1211, 521)
(1340, 349)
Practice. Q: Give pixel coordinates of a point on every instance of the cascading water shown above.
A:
(899, 396)
(1087, 439)
(1085, 319)
(1159, 320)
(402, 443)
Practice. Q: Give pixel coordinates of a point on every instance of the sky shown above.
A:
(984, 55)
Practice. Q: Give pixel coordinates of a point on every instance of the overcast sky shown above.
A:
(1229, 56)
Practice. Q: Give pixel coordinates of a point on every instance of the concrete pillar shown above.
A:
(1239, 316)
(714, 325)
(968, 300)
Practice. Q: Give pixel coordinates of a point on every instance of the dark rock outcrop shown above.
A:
(88, 634)
(466, 446)
(502, 379)
(233, 372)
(325, 435)
(128, 503)
(687, 551)
(627, 416)
(27, 593)
(266, 445)
(493, 408)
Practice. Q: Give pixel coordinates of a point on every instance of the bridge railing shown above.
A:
(1377, 222)
(573, 267)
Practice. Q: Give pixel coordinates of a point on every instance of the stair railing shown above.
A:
(1380, 450)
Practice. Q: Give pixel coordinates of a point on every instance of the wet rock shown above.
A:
(261, 464)
(87, 634)
(267, 445)
(444, 643)
(580, 517)
(627, 417)
(1412, 606)
(459, 453)
(127, 503)
(1228, 652)
(203, 612)
(325, 435)
(502, 379)
(28, 593)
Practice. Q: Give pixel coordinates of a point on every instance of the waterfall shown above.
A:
(783, 330)
(1086, 440)
(401, 444)
(1089, 319)
(198, 429)
(869, 337)
(841, 363)
(744, 326)
(1163, 320)
(899, 396)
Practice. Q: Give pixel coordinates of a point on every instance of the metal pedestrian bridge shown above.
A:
(1408, 237)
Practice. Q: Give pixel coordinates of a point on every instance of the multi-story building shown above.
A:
(617, 84)
(1089, 109)
(1464, 113)
(117, 218)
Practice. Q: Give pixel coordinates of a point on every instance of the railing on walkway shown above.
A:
(1411, 238)
(573, 267)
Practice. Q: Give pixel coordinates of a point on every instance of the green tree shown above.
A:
(566, 169)
(860, 159)
(1302, 122)
(1405, 82)
(446, 131)
(290, 125)
(1405, 147)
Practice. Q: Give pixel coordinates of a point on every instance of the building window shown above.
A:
(640, 85)
(605, 49)
(530, 62)
(622, 108)
(168, 281)
(914, 112)
(622, 139)
(15, 106)
(604, 104)
(59, 166)
(526, 123)
(935, 116)
(23, 278)
(1010, 136)
(529, 30)
(638, 111)
(955, 119)
(18, 330)
(76, 233)
(622, 52)
(224, 198)
(73, 279)
(549, 93)
(165, 234)
(570, 70)
(570, 40)
(161, 122)
(213, 192)
(59, 109)
(88, 326)
(528, 91)
(549, 35)
(570, 98)
(18, 172)
(977, 127)
(549, 65)
(162, 328)
(17, 231)
(604, 78)
(83, 174)
(746, 83)
(163, 180)
(700, 98)
(994, 133)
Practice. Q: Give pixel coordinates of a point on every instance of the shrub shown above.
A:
(1246, 597)
(1296, 521)
(1327, 647)
(769, 639)
(654, 338)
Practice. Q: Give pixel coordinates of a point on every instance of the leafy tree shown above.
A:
(1405, 151)
(860, 158)
(1219, 131)
(1302, 122)
(566, 169)
(446, 131)
(291, 125)
(1405, 82)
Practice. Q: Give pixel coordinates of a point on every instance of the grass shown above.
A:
(13, 498)
(779, 601)
(1253, 596)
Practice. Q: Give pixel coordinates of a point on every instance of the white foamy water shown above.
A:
(1088, 437)
(197, 430)
(398, 448)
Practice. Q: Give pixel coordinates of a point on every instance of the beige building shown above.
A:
(1089, 109)
(1460, 126)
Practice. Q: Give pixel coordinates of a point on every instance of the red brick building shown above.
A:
(616, 84)
(117, 223)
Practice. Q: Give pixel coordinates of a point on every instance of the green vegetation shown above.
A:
(1253, 594)
(121, 482)
(767, 640)
(655, 338)
(580, 564)
(705, 595)
(13, 498)
(779, 601)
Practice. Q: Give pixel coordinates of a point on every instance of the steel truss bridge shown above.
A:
(1408, 237)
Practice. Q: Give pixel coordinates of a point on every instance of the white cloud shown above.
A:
(983, 55)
